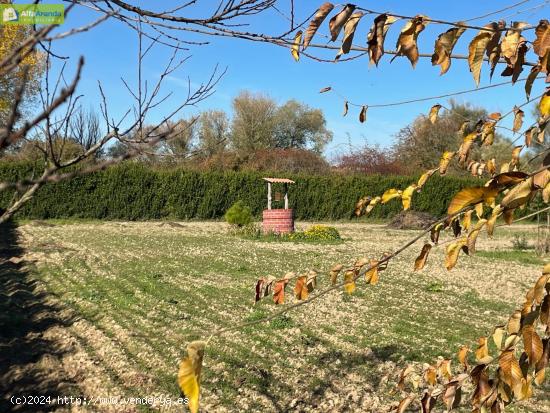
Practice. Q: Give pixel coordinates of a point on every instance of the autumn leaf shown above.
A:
(544, 104)
(444, 161)
(337, 22)
(444, 47)
(491, 166)
(372, 204)
(476, 50)
(453, 249)
(487, 133)
(363, 114)
(467, 220)
(519, 195)
(403, 375)
(541, 179)
(406, 197)
(514, 69)
(511, 41)
(514, 322)
(434, 232)
(404, 403)
(349, 32)
(390, 194)
(406, 42)
(532, 344)
(349, 281)
(465, 146)
(424, 178)
(300, 289)
(541, 45)
(377, 35)
(334, 271)
(259, 289)
(482, 350)
(189, 374)
(430, 375)
(296, 45)
(542, 364)
(497, 211)
(420, 261)
(518, 119)
(279, 291)
(470, 196)
(472, 236)
(535, 70)
(434, 112)
(462, 356)
(452, 395)
(316, 22)
(371, 276)
(492, 50)
(325, 89)
(510, 370)
(345, 112)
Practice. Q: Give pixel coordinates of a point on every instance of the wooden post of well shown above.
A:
(269, 195)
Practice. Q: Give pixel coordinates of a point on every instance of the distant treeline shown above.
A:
(134, 191)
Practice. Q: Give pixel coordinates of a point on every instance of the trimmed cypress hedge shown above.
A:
(133, 191)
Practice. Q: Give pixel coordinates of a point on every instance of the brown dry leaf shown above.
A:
(452, 395)
(529, 136)
(337, 22)
(444, 47)
(189, 374)
(390, 194)
(515, 155)
(532, 343)
(476, 51)
(514, 322)
(428, 402)
(488, 133)
(518, 119)
(541, 133)
(471, 196)
(497, 211)
(465, 146)
(511, 41)
(345, 112)
(349, 281)
(424, 178)
(514, 69)
(296, 45)
(361, 205)
(404, 404)
(279, 291)
(542, 364)
(434, 233)
(535, 70)
(325, 89)
(472, 236)
(406, 42)
(491, 166)
(349, 32)
(519, 195)
(430, 375)
(453, 249)
(377, 35)
(546, 194)
(361, 262)
(444, 161)
(421, 259)
(462, 356)
(259, 289)
(406, 197)
(363, 114)
(545, 312)
(311, 281)
(300, 289)
(434, 112)
(541, 45)
(334, 273)
(541, 179)
(403, 375)
(316, 22)
(482, 350)
(372, 204)
(493, 47)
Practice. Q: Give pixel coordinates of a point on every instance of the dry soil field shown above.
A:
(110, 306)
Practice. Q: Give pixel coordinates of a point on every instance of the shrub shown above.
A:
(239, 214)
(317, 233)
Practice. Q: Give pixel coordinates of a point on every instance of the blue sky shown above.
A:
(110, 51)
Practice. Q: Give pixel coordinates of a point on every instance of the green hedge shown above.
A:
(134, 191)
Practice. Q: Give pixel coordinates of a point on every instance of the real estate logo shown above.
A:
(32, 13)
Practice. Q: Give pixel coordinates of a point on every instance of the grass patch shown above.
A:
(522, 257)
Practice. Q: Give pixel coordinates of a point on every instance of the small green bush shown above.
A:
(239, 214)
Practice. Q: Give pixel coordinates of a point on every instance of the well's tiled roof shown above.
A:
(279, 180)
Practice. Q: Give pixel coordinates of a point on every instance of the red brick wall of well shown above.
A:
(280, 221)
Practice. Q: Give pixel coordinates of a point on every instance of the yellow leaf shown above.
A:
(476, 50)
(434, 112)
(190, 372)
(497, 211)
(444, 161)
(296, 45)
(482, 350)
(372, 204)
(470, 196)
(300, 289)
(363, 114)
(467, 220)
(472, 236)
(390, 194)
(421, 259)
(377, 35)
(424, 178)
(406, 42)
(337, 22)
(514, 323)
(453, 249)
(462, 356)
(349, 282)
(406, 197)
(519, 195)
(316, 22)
(498, 336)
(430, 375)
(371, 276)
(544, 104)
(444, 47)
(349, 32)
